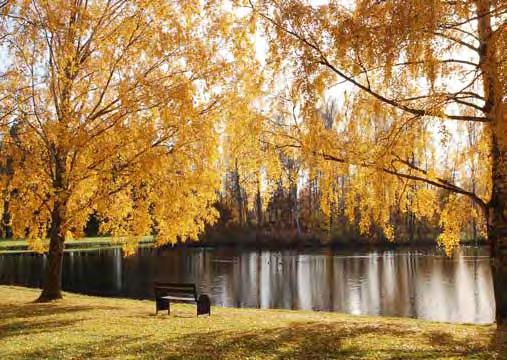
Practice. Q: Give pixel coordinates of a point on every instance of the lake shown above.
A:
(419, 283)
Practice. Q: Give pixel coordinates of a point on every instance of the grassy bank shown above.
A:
(84, 243)
(83, 327)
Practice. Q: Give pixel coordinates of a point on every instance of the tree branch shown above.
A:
(324, 61)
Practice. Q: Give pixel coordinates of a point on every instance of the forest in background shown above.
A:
(300, 206)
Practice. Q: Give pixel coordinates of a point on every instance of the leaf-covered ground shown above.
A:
(92, 327)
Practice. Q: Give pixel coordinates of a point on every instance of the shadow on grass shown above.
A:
(34, 318)
(315, 340)
(499, 342)
(297, 340)
(33, 310)
(26, 327)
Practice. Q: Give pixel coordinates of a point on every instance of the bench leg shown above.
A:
(203, 305)
(168, 307)
(203, 311)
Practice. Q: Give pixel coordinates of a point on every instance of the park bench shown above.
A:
(179, 292)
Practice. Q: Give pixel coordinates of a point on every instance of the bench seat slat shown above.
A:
(169, 297)
(182, 288)
(161, 283)
(175, 290)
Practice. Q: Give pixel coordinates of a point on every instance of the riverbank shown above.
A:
(91, 327)
(274, 238)
(88, 243)
(282, 241)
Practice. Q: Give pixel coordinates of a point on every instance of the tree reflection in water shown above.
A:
(412, 283)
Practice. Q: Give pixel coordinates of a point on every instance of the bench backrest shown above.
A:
(175, 289)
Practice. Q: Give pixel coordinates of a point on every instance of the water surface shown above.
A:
(403, 282)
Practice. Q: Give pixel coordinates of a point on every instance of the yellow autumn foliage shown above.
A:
(112, 109)
(415, 82)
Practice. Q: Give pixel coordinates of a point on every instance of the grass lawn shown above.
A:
(88, 242)
(83, 326)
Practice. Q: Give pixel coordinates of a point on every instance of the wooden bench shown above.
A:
(180, 292)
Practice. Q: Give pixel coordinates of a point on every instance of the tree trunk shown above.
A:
(494, 108)
(497, 232)
(258, 205)
(238, 195)
(497, 217)
(52, 285)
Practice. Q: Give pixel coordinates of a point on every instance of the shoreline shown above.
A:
(104, 242)
(88, 243)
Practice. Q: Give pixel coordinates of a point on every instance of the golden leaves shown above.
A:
(393, 67)
(451, 220)
(38, 245)
(425, 203)
(121, 117)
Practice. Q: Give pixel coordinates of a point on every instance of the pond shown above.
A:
(419, 283)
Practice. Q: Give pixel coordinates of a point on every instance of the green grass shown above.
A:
(89, 243)
(80, 327)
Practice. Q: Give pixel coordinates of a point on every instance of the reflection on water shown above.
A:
(421, 284)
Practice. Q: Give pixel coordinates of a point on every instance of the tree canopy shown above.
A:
(415, 81)
(111, 108)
